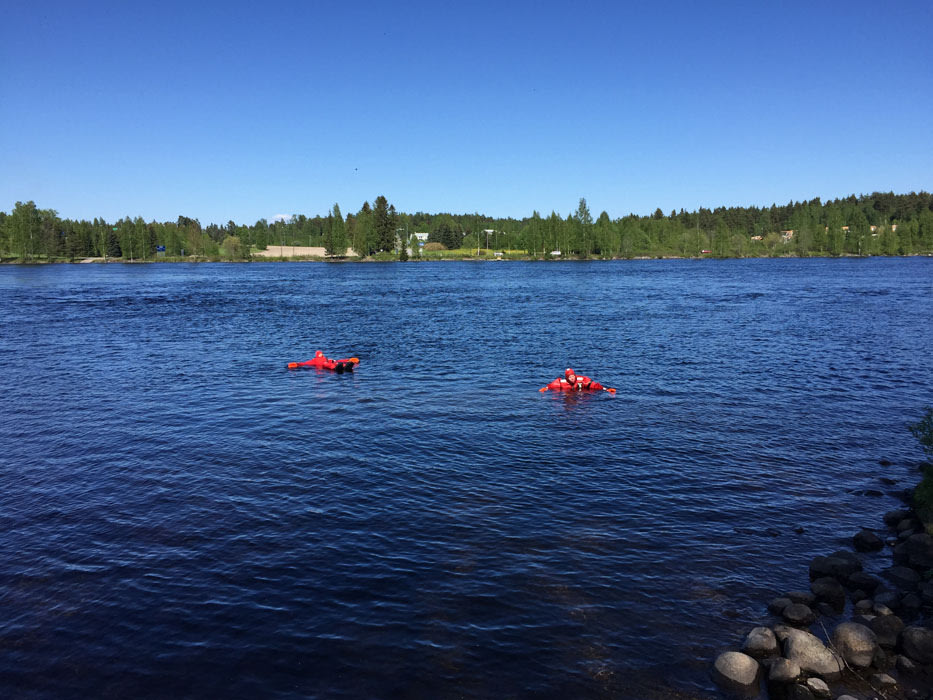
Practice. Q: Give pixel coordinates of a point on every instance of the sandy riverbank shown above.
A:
(295, 251)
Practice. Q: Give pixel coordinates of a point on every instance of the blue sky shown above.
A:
(230, 110)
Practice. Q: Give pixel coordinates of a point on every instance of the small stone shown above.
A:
(884, 463)
(917, 643)
(863, 581)
(836, 567)
(905, 524)
(920, 550)
(829, 590)
(818, 687)
(863, 607)
(880, 609)
(911, 603)
(882, 680)
(887, 629)
(804, 597)
(760, 643)
(903, 577)
(776, 606)
(867, 541)
(905, 664)
(893, 517)
(797, 692)
(888, 599)
(784, 671)
(798, 615)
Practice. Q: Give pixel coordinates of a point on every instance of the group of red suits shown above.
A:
(571, 381)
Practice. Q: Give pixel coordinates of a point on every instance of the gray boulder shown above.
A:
(818, 687)
(903, 577)
(867, 541)
(829, 590)
(856, 643)
(839, 565)
(893, 517)
(905, 665)
(784, 671)
(736, 671)
(761, 643)
(808, 652)
(889, 600)
(798, 615)
(797, 692)
(863, 581)
(887, 629)
(776, 606)
(805, 597)
(920, 550)
(917, 643)
(882, 680)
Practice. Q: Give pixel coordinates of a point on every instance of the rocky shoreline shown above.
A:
(853, 635)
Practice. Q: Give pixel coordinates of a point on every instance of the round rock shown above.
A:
(903, 577)
(811, 655)
(829, 590)
(798, 615)
(776, 606)
(856, 643)
(818, 687)
(920, 550)
(761, 643)
(893, 517)
(867, 541)
(917, 643)
(784, 671)
(736, 671)
(887, 629)
(865, 582)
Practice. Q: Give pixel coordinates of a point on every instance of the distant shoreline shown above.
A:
(265, 257)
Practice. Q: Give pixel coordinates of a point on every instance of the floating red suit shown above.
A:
(321, 362)
(571, 381)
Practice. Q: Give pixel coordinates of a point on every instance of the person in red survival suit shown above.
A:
(571, 381)
(322, 362)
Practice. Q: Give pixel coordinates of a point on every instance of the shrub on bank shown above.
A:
(923, 494)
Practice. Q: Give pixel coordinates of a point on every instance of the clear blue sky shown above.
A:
(246, 110)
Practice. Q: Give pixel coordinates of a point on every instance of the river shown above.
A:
(182, 515)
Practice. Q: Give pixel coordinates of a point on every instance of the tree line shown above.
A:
(882, 223)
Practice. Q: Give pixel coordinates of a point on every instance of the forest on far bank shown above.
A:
(882, 223)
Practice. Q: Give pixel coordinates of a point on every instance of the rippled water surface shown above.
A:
(182, 515)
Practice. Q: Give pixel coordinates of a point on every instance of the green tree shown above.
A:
(889, 240)
(583, 221)
(232, 248)
(383, 226)
(335, 239)
(24, 225)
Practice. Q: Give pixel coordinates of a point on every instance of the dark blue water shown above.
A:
(181, 515)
